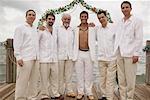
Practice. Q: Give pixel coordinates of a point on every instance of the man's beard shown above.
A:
(50, 24)
(66, 25)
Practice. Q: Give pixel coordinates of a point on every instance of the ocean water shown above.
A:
(141, 64)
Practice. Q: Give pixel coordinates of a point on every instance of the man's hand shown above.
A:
(20, 62)
(91, 25)
(135, 59)
(41, 28)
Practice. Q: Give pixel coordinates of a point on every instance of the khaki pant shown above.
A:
(49, 79)
(107, 78)
(65, 76)
(127, 77)
(27, 80)
(84, 71)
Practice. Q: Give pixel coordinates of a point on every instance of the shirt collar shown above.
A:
(130, 18)
(26, 24)
(65, 28)
(107, 26)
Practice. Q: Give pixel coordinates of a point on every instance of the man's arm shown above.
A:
(138, 40)
(18, 41)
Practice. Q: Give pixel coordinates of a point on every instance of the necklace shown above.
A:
(81, 29)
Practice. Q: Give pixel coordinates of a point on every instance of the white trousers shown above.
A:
(65, 76)
(126, 76)
(84, 71)
(107, 78)
(27, 80)
(49, 79)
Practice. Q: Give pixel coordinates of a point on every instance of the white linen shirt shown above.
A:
(48, 46)
(26, 43)
(106, 40)
(129, 37)
(65, 43)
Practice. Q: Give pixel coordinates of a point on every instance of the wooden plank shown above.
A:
(10, 62)
(10, 95)
(2, 85)
(6, 89)
(142, 92)
(148, 64)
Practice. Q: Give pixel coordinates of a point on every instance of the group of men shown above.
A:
(52, 54)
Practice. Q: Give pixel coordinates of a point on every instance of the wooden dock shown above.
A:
(142, 92)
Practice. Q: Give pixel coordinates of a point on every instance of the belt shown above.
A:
(84, 50)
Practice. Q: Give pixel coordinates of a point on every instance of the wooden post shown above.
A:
(10, 62)
(148, 64)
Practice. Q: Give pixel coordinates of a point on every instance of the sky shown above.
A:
(13, 13)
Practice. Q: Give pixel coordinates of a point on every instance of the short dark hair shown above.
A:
(127, 3)
(102, 11)
(29, 11)
(84, 12)
(50, 14)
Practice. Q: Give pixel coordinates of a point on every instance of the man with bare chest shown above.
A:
(84, 56)
(83, 37)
